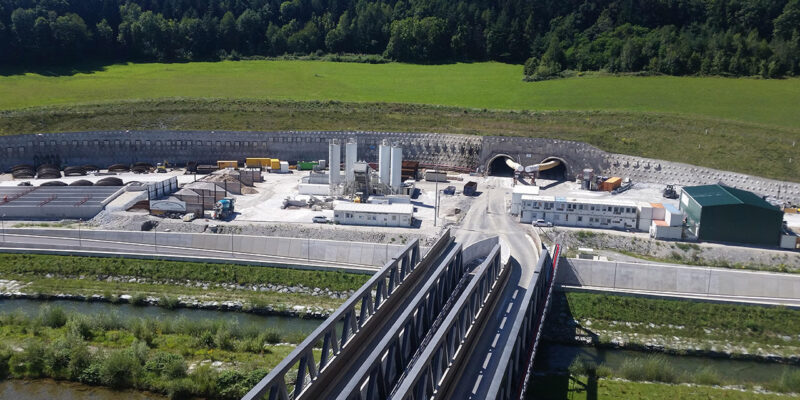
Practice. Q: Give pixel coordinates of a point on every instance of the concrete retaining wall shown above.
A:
(372, 254)
(462, 151)
(701, 281)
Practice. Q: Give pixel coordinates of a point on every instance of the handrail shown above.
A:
(539, 327)
(434, 364)
(511, 356)
(340, 328)
(385, 365)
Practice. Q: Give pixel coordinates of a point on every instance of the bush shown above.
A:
(119, 369)
(30, 362)
(204, 381)
(80, 326)
(169, 302)
(653, 368)
(5, 355)
(53, 317)
(139, 299)
(168, 365)
(707, 376)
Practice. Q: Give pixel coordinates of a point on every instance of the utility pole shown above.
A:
(155, 238)
(3, 223)
(80, 240)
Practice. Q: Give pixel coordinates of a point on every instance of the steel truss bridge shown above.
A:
(414, 331)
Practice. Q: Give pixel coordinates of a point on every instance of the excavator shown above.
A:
(531, 170)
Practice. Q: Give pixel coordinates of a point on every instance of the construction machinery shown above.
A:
(161, 167)
(670, 192)
(626, 184)
(223, 208)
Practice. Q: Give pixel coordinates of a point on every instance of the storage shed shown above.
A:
(725, 214)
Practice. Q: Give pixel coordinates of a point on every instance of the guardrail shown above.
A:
(386, 364)
(337, 333)
(450, 343)
(507, 382)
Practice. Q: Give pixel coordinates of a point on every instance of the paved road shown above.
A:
(521, 246)
(77, 246)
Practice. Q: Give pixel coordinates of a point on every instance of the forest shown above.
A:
(674, 37)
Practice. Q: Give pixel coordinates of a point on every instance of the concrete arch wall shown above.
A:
(462, 151)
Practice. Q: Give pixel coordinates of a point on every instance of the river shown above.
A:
(50, 389)
(556, 358)
(284, 325)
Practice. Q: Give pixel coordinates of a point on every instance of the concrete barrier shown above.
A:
(332, 251)
(678, 279)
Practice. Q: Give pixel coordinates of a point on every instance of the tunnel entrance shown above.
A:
(557, 173)
(498, 166)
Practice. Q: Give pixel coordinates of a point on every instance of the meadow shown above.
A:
(736, 124)
(477, 85)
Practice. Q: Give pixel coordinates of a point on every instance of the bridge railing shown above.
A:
(297, 371)
(507, 382)
(385, 365)
(450, 342)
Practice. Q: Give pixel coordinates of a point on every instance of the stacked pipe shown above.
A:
(48, 171)
(54, 183)
(110, 181)
(141, 168)
(118, 168)
(76, 170)
(81, 182)
(23, 171)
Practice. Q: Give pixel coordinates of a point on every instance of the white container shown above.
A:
(350, 155)
(335, 157)
(396, 180)
(644, 224)
(321, 164)
(284, 166)
(384, 162)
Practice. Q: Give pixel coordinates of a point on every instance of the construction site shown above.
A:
(365, 182)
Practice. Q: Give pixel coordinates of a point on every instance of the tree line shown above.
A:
(676, 37)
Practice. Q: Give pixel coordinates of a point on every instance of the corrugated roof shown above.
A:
(717, 195)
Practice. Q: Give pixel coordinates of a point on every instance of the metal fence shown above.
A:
(301, 369)
(508, 382)
(387, 363)
(449, 344)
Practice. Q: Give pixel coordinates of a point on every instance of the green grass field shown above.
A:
(478, 85)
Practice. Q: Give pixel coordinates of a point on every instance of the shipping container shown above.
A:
(227, 164)
(470, 188)
(275, 164)
(658, 211)
(672, 216)
(284, 166)
(660, 230)
(254, 162)
(611, 184)
(306, 165)
(433, 176)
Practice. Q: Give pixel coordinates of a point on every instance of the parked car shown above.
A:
(543, 223)
(320, 219)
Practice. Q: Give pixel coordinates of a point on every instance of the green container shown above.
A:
(306, 165)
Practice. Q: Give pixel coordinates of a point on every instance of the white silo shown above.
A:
(384, 162)
(350, 154)
(397, 168)
(334, 159)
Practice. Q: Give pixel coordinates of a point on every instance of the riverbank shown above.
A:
(559, 387)
(264, 290)
(675, 326)
(180, 357)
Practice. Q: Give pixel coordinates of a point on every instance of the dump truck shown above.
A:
(223, 208)
(670, 192)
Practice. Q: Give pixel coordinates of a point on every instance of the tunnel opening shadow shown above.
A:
(572, 372)
(557, 173)
(498, 167)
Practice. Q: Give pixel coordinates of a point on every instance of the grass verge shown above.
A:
(158, 270)
(555, 387)
(745, 325)
(746, 147)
